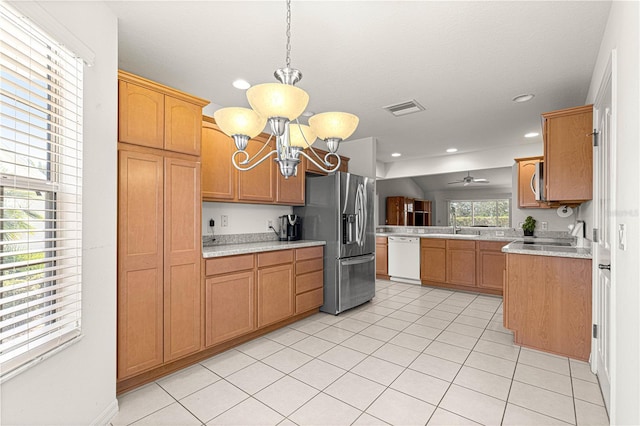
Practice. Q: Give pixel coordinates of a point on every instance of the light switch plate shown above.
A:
(622, 236)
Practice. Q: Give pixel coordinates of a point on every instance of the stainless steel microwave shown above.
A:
(537, 182)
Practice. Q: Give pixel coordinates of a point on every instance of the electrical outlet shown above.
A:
(543, 226)
(269, 224)
(212, 222)
(225, 220)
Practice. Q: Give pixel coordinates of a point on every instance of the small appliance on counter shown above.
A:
(290, 227)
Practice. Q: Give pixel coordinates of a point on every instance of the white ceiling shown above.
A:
(499, 179)
(464, 61)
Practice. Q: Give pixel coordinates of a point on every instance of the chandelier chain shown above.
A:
(288, 60)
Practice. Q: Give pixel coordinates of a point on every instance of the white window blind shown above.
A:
(40, 193)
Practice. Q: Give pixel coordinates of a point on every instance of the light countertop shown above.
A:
(472, 237)
(519, 247)
(245, 248)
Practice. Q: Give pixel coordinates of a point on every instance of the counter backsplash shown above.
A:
(488, 232)
(218, 240)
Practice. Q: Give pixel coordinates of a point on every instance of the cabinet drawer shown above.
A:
(381, 240)
(309, 266)
(309, 300)
(309, 253)
(492, 245)
(461, 245)
(310, 281)
(222, 265)
(433, 242)
(275, 258)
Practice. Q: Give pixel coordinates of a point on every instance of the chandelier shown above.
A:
(280, 105)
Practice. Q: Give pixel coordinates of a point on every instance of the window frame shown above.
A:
(473, 201)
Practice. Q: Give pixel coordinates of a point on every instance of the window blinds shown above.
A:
(40, 193)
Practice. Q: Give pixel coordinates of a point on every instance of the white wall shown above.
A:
(362, 156)
(440, 213)
(243, 218)
(554, 222)
(77, 385)
(394, 187)
(622, 34)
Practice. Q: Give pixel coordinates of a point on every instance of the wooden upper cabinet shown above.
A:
(313, 169)
(290, 190)
(568, 154)
(182, 126)
(258, 184)
(157, 116)
(140, 115)
(140, 260)
(526, 172)
(182, 251)
(218, 174)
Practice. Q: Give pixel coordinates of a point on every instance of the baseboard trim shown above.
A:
(107, 414)
(406, 280)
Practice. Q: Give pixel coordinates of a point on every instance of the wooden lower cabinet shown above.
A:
(491, 263)
(275, 294)
(229, 306)
(309, 278)
(548, 303)
(462, 264)
(382, 258)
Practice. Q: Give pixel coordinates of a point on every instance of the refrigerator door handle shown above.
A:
(360, 215)
(360, 259)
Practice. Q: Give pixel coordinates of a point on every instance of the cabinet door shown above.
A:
(275, 294)
(290, 190)
(182, 258)
(382, 259)
(491, 265)
(140, 258)
(568, 152)
(461, 262)
(229, 306)
(182, 126)
(140, 115)
(433, 264)
(526, 197)
(218, 174)
(395, 211)
(258, 184)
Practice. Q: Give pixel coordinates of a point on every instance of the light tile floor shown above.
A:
(413, 356)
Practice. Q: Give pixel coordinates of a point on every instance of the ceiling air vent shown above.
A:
(404, 108)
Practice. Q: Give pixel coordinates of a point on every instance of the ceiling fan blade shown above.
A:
(482, 180)
(466, 183)
(456, 181)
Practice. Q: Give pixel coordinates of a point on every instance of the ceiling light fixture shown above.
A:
(396, 154)
(241, 84)
(531, 135)
(452, 150)
(523, 98)
(279, 104)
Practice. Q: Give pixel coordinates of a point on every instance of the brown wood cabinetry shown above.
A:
(462, 264)
(159, 237)
(491, 264)
(309, 278)
(275, 287)
(258, 184)
(290, 191)
(311, 168)
(433, 255)
(406, 211)
(526, 171)
(548, 303)
(568, 154)
(219, 177)
(157, 116)
(382, 258)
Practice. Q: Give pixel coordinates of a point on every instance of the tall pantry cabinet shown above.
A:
(159, 236)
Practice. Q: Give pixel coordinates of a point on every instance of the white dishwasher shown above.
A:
(404, 259)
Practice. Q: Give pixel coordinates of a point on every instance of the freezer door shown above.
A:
(356, 281)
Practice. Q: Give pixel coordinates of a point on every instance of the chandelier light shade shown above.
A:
(239, 121)
(333, 125)
(278, 100)
(296, 136)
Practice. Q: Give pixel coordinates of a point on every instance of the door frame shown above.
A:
(610, 73)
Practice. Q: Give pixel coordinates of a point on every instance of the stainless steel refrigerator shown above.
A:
(339, 210)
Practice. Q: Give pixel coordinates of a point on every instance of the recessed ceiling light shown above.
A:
(450, 150)
(531, 135)
(308, 113)
(396, 154)
(523, 98)
(241, 84)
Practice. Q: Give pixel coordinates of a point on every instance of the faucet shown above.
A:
(454, 221)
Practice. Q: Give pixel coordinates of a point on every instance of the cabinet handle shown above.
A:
(603, 266)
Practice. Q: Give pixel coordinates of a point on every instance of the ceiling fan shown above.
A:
(469, 179)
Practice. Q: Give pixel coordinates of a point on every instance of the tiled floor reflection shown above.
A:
(413, 356)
